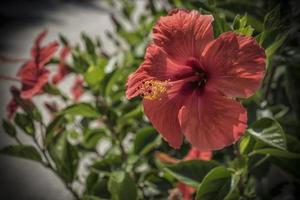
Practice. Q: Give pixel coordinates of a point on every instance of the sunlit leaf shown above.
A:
(268, 131)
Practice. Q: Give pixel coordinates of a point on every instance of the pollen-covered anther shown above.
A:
(152, 89)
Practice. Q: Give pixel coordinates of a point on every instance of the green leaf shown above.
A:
(89, 44)
(94, 75)
(279, 40)
(9, 128)
(117, 74)
(25, 123)
(246, 144)
(63, 39)
(81, 109)
(215, 185)
(122, 187)
(96, 186)
(277, 153)
(22, 151)
(91, 138)
(145, 140)
(135, 113)
(240, 26)
(108, 164)
(65, 156)
(190, 172)
(219, 25)
(53, 128)
(272, 18)
(51, 89)
(268, 131)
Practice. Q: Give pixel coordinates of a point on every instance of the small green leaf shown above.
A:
(145, 140)
(63, 40)
(94, 75)
(271, 49)
(91, 138)
(89, 44)
(9, 128)
(25, 123)
(135, 113)
(268, 131)
(122, 187)
(108, 164)
(272, 18)
(190, 172)
(215, 185)
(277, 153)
(115, 76)
(246, 144)
(240, 26)
(22, 151)
(81, 109)
(96, 186)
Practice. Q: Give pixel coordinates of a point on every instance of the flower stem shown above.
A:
(8, 78)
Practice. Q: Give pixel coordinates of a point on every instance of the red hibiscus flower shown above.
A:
(194, 154)
(63, 68)
(17, 101)
(189, 81)
(77, 88)
(32, 74)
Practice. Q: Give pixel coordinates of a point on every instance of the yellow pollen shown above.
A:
(152, 89)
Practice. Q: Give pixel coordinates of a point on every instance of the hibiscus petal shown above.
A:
(157, 66)
(211, 121)
(196, 154)
(163, 113)
(29, 92)
(235, 65)
(183, 34)
(46, 53)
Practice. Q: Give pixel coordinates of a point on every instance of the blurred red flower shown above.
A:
(77, 88)
(189, 81)
(33, 74)
(17, 101)
(63, 68)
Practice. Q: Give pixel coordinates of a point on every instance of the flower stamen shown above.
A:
(152, 89)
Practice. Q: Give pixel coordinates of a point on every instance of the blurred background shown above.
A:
(21, 21)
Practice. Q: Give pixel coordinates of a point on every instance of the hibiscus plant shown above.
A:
(196, 101)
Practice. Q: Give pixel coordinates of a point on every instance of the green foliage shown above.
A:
(190, 172)
(24, 122)
(22, 151)
(122, 186)
(80, 109)
(9, 128)
(269, 131)
(65, 156)
(146, 139)
(215, 185)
